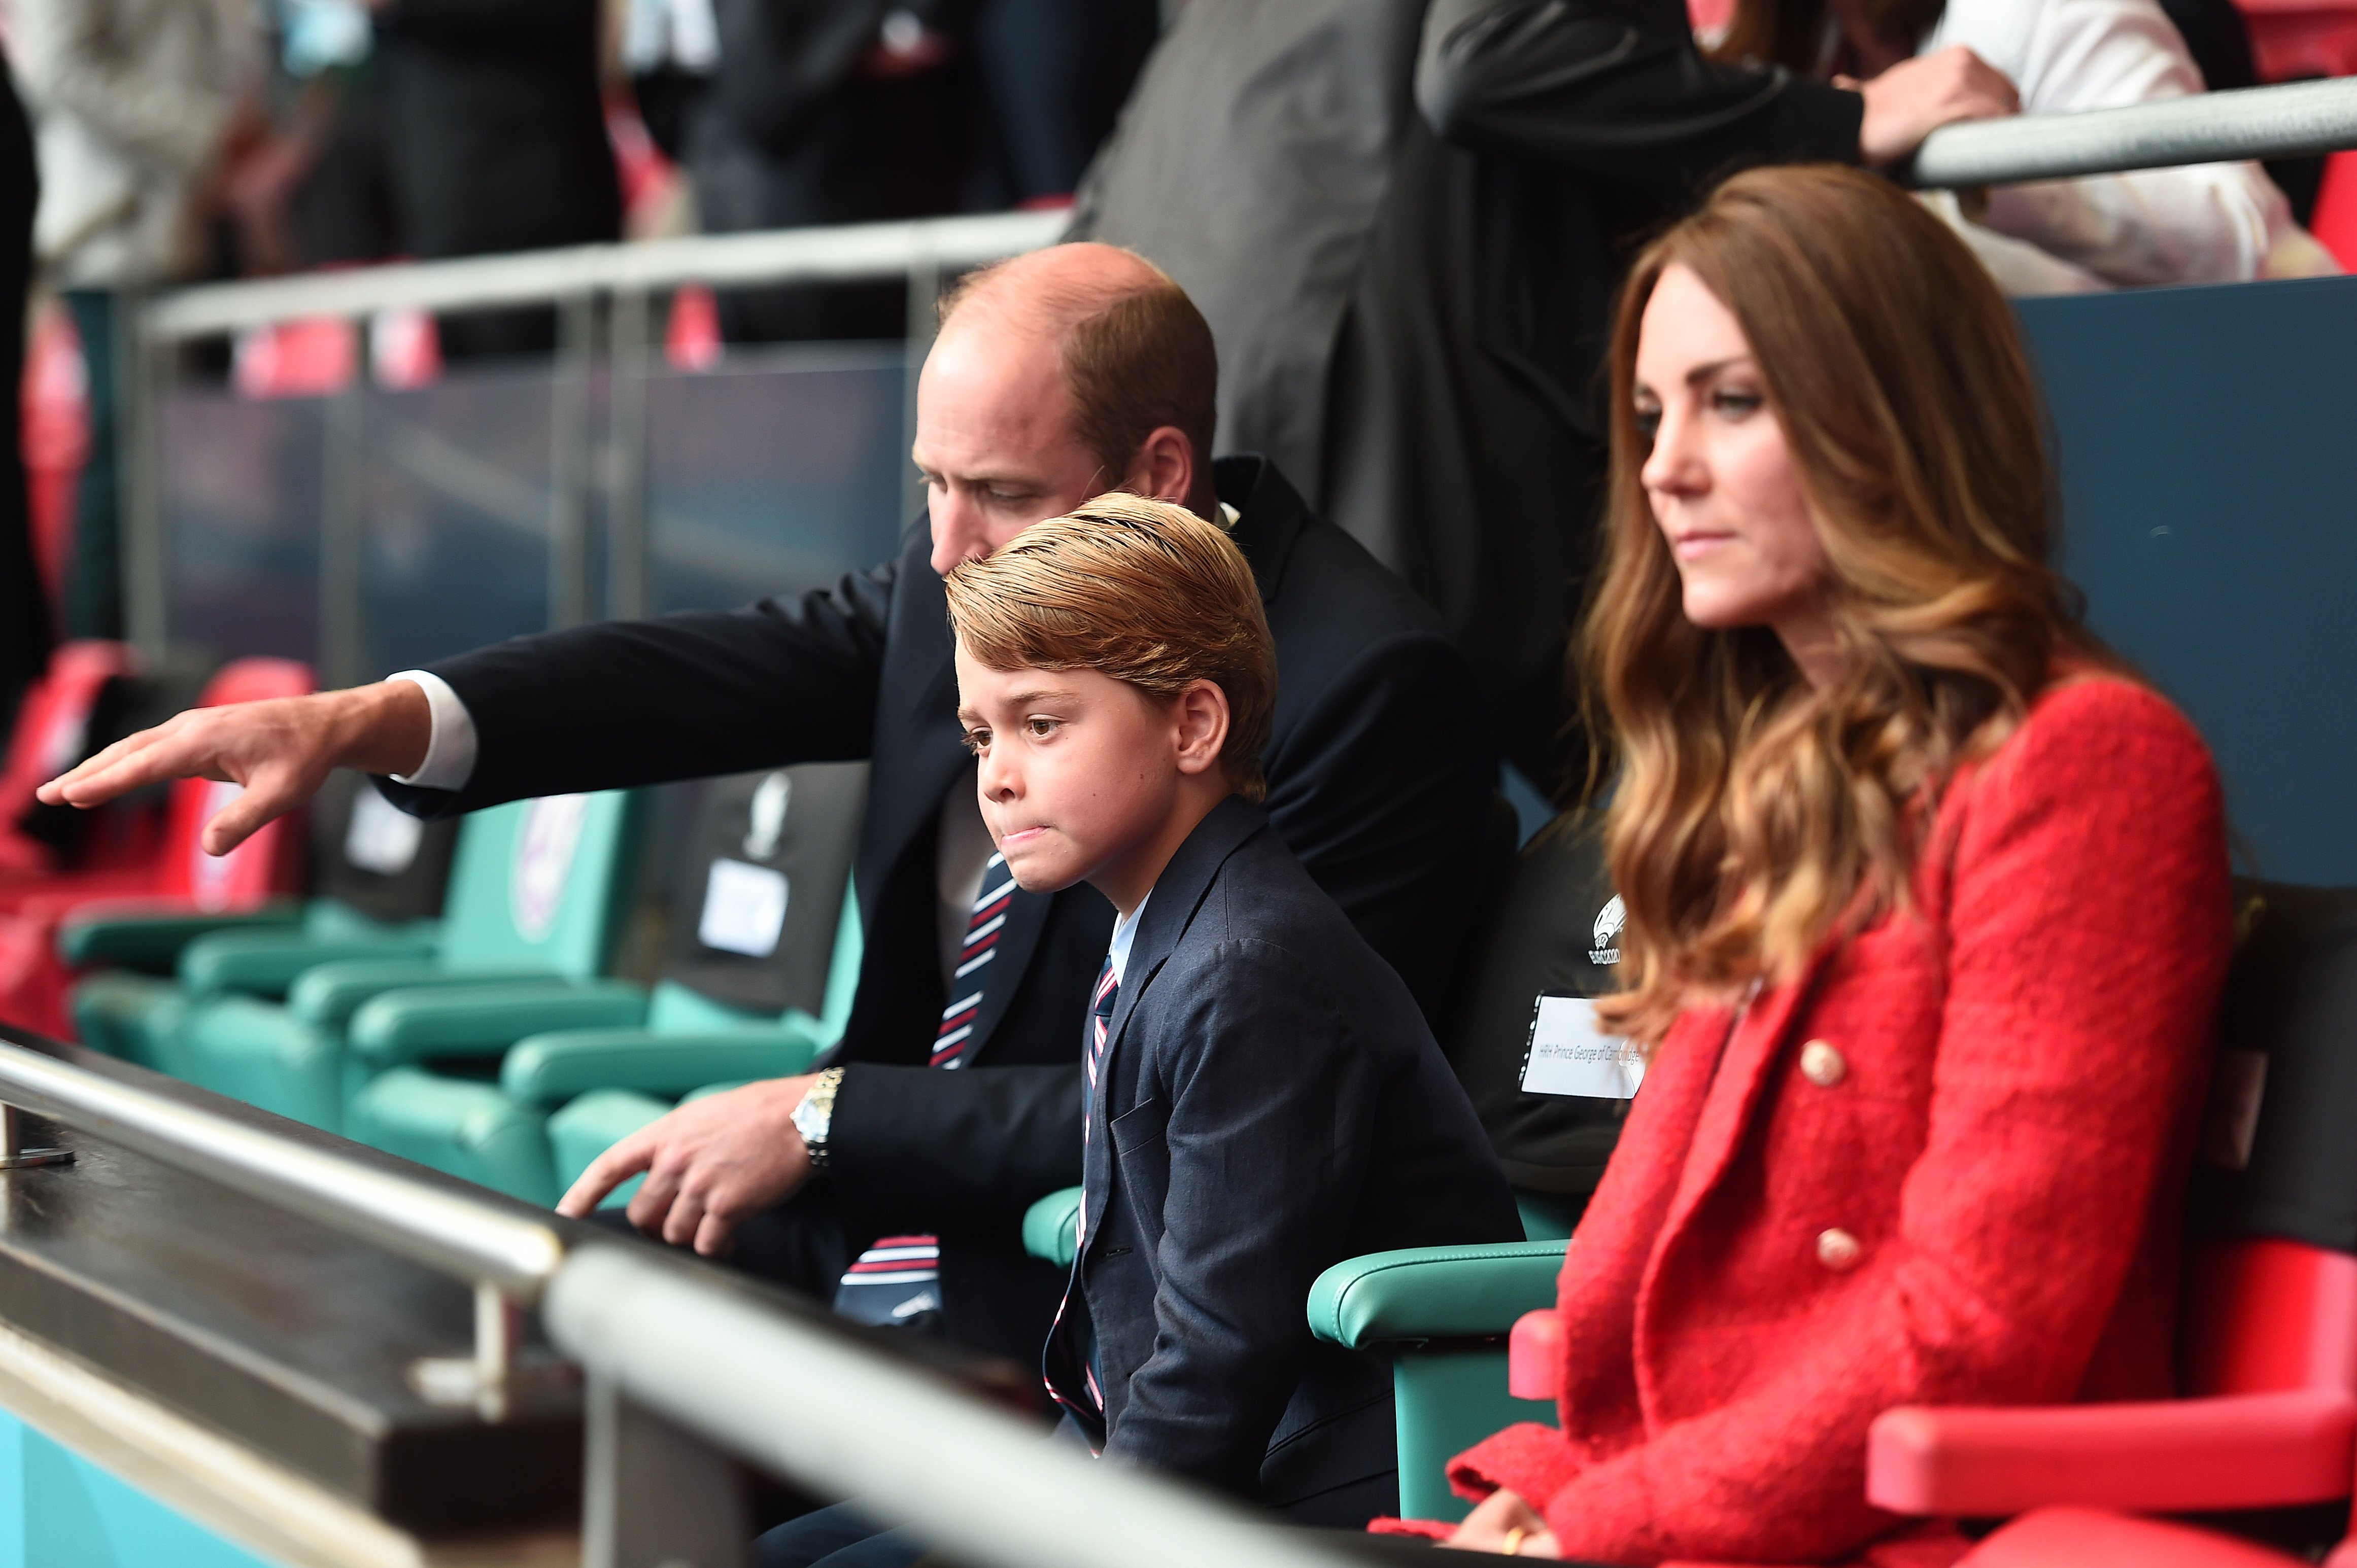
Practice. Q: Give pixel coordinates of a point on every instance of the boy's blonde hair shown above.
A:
(1139, 590)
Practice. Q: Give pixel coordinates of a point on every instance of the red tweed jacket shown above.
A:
(1945, 1165)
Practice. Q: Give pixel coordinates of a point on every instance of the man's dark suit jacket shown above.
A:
(1379, 774)
(1269, 1104)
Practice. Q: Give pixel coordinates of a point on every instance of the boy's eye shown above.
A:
(1041, 727)
(977, 741)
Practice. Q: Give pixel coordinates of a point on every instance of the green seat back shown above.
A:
(541, 883)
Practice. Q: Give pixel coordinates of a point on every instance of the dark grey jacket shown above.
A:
(1270, 1104)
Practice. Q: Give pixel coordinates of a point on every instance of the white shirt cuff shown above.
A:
(450, 747)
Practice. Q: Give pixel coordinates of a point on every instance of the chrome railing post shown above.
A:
(654, 1496)
(14, 1155)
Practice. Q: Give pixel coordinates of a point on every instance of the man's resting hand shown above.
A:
(710, 1166)
(1916, 97)
(281, 750)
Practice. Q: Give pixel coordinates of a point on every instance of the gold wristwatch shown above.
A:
(815, 1116)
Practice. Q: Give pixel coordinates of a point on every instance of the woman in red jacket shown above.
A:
(1927, 910)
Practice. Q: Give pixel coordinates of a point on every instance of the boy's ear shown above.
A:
(1202, 711)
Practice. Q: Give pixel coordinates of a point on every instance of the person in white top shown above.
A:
(2221, 222)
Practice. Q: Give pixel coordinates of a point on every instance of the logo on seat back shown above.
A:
(765, 823)
(1609, 921)
(546, 840)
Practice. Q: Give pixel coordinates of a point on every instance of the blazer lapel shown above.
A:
(1177, 894)
(1751, 1050)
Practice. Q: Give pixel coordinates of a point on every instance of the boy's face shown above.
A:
(1080, 774)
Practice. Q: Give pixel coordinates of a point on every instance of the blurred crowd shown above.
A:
(1403, 218)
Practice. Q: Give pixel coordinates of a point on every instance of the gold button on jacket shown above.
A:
(1838, 1249)
(1821, 1065)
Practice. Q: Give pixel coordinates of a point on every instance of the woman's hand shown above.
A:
(1505, 1523)
(1916, 97)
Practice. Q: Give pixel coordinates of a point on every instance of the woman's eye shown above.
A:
(1649, 424)
(1736, 404)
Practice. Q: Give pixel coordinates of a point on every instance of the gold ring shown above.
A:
(1513, 1547)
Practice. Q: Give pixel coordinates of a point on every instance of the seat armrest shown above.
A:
(1434, 1293)
(264, 964)
(326, 995)
(149, 935)
(1052, 1228)
(2078, 1538)
(2245, 1451)
(549, 1069)
(485, 1017)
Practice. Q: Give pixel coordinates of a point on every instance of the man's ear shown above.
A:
(1202, 711)
(1164, 468)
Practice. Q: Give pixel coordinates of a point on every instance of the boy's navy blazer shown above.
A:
(1270, 1103)
(1379, 779)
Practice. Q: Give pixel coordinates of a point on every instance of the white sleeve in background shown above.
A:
(450, 749)
(2204, 224)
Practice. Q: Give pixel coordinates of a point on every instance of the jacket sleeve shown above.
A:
(680, 696)
(1616, 89)
(2089, 932)
(1265, 1154)
(1389, 813)
(2198, 223)
(70, 59)
(955, 1150)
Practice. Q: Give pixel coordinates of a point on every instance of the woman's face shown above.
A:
(1720, 478)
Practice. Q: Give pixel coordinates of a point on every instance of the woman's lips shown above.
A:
(1690, 546)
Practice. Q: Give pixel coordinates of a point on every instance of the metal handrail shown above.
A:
(2291, 120)
(854, 1422)
(844, 253)
(508, 1260)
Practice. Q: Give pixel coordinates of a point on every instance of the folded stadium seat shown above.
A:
(2269, 1342)
(1552, 1111)
(140, 917)
(538, 894)
(758, 981)
(51, 734)
(378, 876)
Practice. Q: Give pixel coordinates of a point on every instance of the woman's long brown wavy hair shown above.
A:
(1754, 815)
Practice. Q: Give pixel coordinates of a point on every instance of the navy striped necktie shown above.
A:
(897, 1279)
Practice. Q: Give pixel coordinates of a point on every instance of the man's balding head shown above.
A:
(1087, 347)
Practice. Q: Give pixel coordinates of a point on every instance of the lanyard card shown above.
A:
(1569, 1056)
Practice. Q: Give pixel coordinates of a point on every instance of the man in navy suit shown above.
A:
(954, 1101)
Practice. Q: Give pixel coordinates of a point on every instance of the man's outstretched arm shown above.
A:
(280, 750)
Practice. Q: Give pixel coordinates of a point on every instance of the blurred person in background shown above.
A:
(2201, 223)
(494, 133)
(25, 629)
(130, 99)
(863, 110)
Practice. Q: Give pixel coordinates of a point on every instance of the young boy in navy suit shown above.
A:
(1265, 1099)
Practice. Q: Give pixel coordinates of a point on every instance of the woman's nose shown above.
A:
(1673, 467)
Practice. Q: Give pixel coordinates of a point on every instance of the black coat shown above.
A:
(1270, 1103)
(494, 130)
(1405, 222)
(1378, 780)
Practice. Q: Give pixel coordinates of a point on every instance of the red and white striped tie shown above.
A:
(898, 1278)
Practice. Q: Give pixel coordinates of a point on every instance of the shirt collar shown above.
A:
(1124, 932)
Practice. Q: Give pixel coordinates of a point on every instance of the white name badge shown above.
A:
(744, 908)
(1569, 1055)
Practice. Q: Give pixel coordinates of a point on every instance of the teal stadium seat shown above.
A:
(756, 985)
(538, 894)
(380, 878)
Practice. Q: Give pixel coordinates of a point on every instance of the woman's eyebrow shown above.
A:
(1702, 373)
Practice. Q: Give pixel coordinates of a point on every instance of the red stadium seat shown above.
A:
(2269, 1335)
(52, 723)
(181, 880)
